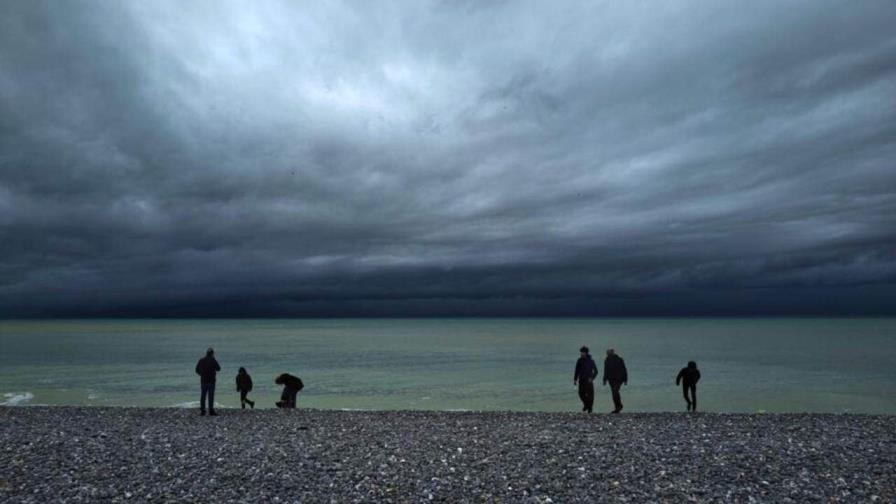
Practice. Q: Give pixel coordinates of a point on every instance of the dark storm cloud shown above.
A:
(447, 158)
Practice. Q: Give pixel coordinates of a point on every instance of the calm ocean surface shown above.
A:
(748, 365)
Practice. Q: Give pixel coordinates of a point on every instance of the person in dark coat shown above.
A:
(585, 373)
(244, 386)
(616, 375)
(206, 368)
(291, 386)
(688, 378)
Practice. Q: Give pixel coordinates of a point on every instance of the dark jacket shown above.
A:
(586, 370)
(614, 370)
(206, 368)
(688, 375)
(293, 382)
(243, 382)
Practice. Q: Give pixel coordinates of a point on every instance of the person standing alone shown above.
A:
(206, 368)
(586, 372)
(688, 378)
(616, 374)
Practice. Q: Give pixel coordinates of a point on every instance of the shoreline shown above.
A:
(571, 411)
(121, 454)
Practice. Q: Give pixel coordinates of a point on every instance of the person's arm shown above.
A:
(624, 372)
(593, 370)
(217, 366)
(678, 378)
(605, 372)
(237, 383)
(249, 379)
(198, 364)
(697, 377)
(575, 374)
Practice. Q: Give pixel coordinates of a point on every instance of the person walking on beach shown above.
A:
(244, 386)
(291, 386)
(206, 368)
(616, 374)
(585, 373)
(688, 378)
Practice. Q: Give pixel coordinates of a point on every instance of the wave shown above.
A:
(16, 398)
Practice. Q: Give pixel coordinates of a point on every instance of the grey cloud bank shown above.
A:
(422, 158)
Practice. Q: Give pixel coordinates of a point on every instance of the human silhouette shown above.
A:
(291, 386)
(688, 378)
(206, 368)
(616, 374)
(244, 386)
(585, 373)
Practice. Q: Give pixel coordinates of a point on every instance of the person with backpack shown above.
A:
(688, 378)
(244, 386)
(291, 387)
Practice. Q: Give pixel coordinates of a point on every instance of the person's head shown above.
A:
(210, 352)
(280, 379)
(584, 351)
(611, 351)
(692, 365)
(242, 370)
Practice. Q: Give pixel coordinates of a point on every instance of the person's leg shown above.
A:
(694, 397)
(284, 398)
(211, 399)
(202, 397)
(583, 397)
(292, 397)
(243, 399)
(684, 392)
(589, 397)
(617, 400)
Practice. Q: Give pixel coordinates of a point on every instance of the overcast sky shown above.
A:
(447, 158)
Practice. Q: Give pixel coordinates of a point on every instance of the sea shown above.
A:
(747, 365)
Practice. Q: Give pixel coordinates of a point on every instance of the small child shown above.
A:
(244, 386)
(688, 378)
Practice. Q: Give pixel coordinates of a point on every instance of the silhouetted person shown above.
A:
(244, 386)
(586, 372)
(291, 386)
(616, 374)
(206, 369)
(688, 378)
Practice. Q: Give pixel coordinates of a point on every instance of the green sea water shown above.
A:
(748, 365)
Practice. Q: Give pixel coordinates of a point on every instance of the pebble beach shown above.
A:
(95, 454)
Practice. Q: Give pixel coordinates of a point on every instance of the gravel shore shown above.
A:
(76, 454)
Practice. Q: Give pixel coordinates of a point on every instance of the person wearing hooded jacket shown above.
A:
(244, 386)
(585, 373)
(291, 386)
(688, 378)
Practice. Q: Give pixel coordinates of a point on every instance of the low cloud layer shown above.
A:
(453, 158)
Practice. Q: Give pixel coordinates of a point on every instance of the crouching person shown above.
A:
(291, 386)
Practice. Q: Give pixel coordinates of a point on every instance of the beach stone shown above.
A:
(78, 454)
